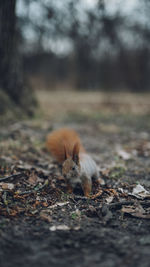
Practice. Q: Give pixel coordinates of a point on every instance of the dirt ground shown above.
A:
(40, 223)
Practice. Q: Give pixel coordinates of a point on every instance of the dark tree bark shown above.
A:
(11, 79)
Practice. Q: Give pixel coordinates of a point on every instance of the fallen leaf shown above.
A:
(99, 193)
(33, 178)
(140, 192)
(109, 199)
(45, 204)
(62, 227)
(136, 211)
(123, 154)
(7, 186)
(59, 204)
(45, 216)
(112, 191)
(100, 181)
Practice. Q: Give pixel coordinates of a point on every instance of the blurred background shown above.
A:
(86, 44)
(83, 45)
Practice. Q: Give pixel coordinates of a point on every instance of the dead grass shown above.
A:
(58, 104)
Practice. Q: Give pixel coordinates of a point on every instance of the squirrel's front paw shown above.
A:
(69, 189)
(87, 187)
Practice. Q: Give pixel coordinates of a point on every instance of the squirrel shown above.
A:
(77, 166)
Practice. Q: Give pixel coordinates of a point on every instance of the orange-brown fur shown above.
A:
(77, 166)
(61, 143)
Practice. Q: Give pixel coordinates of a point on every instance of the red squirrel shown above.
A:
(77, 166)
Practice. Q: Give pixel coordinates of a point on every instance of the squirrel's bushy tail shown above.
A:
(61, 143)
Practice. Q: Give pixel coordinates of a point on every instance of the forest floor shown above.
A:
(40, 223)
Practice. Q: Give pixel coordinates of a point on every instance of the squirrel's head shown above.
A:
(71, 166)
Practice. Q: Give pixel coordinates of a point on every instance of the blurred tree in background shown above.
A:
(78, 44)
(86, 44)
(15, 96)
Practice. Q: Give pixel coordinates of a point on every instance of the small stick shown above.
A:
(98, 194)
(25, 192)
(119, 204)
(10, 177)
(35, 189)
(80, 197)
(5, 201)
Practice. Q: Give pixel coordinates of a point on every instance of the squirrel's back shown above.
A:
(61, 142)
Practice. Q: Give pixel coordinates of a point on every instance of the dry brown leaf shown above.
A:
(45, 204)
(112, 191)
(99, 193)
(33, 178)
(45, 216)
(7, 186)
(136, 211)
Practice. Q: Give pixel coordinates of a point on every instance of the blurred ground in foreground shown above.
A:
(40, 223)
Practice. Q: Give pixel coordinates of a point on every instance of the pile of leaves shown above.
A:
(37, 192)
(31, 185)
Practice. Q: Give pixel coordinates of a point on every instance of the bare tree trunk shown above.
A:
(11, 79)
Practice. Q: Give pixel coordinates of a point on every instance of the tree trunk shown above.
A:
(11, 79)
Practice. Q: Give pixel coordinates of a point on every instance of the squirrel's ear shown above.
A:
(75, 155)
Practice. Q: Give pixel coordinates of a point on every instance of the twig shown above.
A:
(35, 189)
(80, 197)
(5, 201)
(10, 177)
(25, 192)
(120, 204)
(98, 194)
